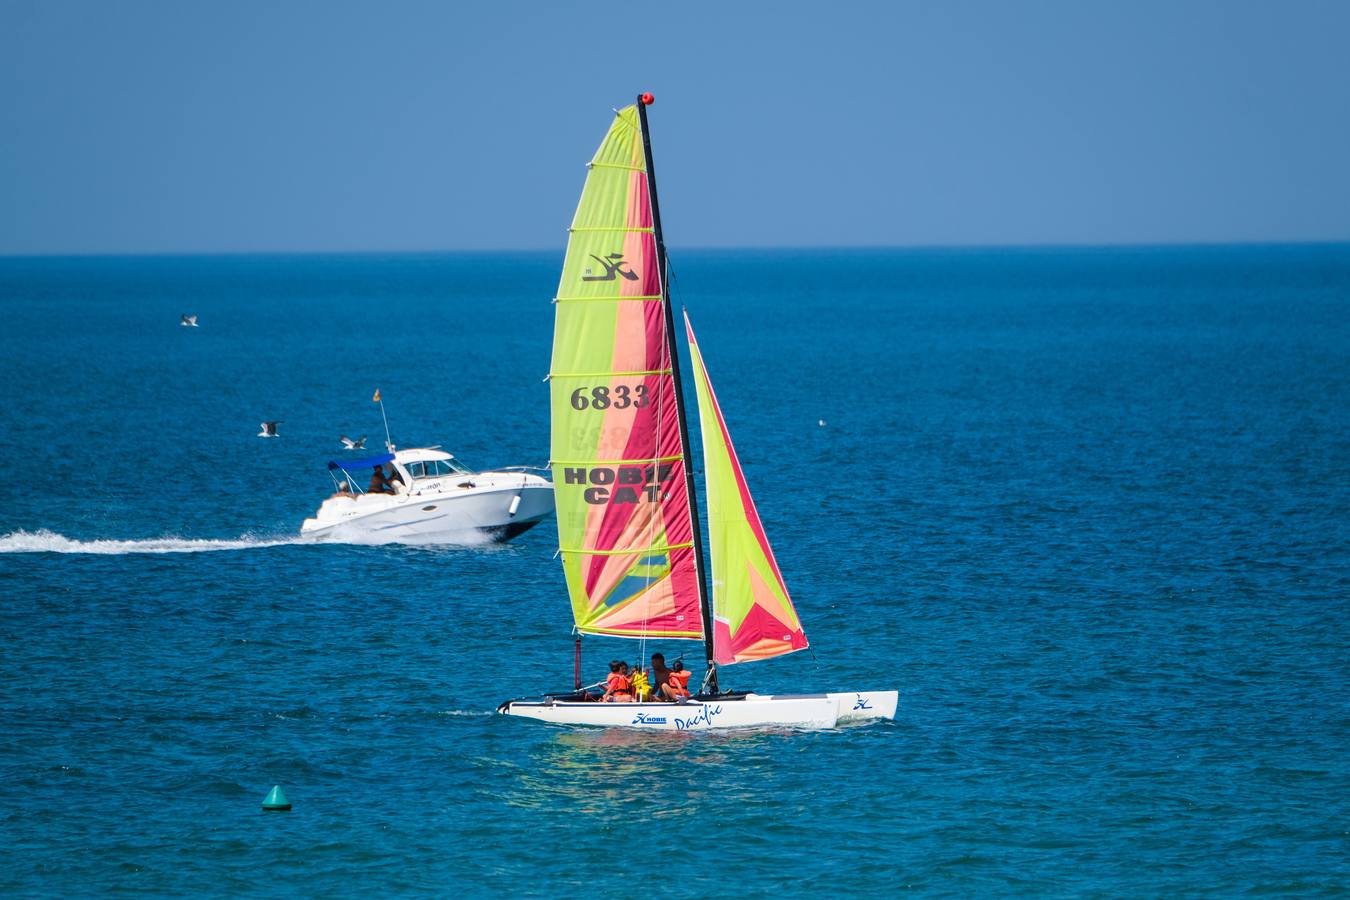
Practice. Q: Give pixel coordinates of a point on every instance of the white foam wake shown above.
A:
(342, 534)
(44, 541)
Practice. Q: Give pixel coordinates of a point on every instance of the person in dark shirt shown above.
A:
(378, 483)
(659, 675)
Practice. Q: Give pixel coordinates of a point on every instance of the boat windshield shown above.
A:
(436, 468)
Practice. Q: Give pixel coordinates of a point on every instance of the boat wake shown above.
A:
(471, 537)
(44, 541)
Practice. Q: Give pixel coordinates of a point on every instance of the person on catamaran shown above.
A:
(642, 686)
(676, 687)
(618, 688)
(659, 674)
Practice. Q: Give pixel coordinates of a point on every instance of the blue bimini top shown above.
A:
(369, 462)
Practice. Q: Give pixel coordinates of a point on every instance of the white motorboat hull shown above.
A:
(745, 711)
(498, 508)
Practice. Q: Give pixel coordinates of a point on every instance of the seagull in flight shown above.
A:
(188, 321)
(269, 429)
(349, 444)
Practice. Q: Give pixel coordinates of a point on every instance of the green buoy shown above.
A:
(276, 800)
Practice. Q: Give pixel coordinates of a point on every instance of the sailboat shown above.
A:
(627, 513)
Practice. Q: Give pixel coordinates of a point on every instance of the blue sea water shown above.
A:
(1089, 511)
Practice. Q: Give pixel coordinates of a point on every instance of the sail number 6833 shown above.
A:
(621, 396)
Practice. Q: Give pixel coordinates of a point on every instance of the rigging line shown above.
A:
(650, 528)
(668, 349)
(662, 262)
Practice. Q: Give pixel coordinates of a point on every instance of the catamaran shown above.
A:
(627, 510)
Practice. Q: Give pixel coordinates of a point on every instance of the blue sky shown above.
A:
(336, 126)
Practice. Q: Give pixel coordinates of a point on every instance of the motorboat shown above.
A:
(425, 495)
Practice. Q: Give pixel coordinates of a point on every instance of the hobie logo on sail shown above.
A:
(614, 265)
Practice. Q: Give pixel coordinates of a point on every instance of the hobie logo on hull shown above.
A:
(862, 703)
(614, 265)
(644, 719)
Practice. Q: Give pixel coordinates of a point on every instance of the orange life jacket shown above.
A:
(619, 683)
(679, 682)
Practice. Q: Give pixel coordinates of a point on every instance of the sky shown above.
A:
(248, 126)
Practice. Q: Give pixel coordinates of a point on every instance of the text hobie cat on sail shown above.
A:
(625, 499)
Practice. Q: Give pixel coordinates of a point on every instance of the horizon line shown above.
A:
(444, 251)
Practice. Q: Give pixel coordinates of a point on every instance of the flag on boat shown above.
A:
(753, 616)
(625, 530)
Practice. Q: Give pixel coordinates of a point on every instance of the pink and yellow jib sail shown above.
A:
(753, 616)
(624, 525)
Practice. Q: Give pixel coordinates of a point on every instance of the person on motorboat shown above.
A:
(380, 483)
(377, 484)
(618, 688)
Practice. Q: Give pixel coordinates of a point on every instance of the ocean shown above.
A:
(1088, 510)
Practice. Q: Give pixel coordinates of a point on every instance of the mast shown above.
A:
(643, 101)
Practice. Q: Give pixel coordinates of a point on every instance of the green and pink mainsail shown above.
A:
(624, 523)
(625, 515)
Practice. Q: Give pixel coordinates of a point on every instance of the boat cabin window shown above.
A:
(436, 468)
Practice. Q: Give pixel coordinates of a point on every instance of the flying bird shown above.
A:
(269, 429)
(188, 321)
(358, 444)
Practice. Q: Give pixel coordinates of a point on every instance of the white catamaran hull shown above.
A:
(749, 711)
(492, 509)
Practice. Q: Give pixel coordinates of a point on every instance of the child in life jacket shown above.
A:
(618, 687)
(641, 685)
(677, 685)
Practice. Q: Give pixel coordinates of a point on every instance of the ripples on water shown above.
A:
(1086, 510)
